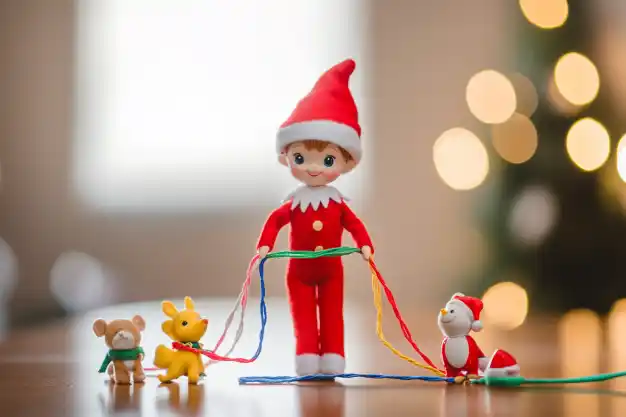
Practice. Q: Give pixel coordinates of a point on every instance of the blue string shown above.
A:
(263, 310)
(329, 377)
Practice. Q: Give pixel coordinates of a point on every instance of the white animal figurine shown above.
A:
(461, 355)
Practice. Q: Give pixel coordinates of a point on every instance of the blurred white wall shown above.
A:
(418, 58)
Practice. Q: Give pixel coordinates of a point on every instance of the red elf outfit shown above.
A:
(317, 217)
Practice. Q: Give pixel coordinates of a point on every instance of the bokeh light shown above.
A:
(577, 78)
(490, 97)
(505, 305)
(580, 341)
(558, 102)
(533, 215)
(616, 324)
(80, 282)
(621, 158)
(525, 94)
(588, 144)
(516, 139)
(461, 159)
(546, 14)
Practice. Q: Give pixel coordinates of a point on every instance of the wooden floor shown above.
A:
(52, 371)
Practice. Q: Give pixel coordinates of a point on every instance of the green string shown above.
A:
(517, 381)
(305, 254)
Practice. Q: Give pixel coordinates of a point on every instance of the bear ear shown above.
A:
(189, 304)
(99, 327)
(169, 309)
(139, 322)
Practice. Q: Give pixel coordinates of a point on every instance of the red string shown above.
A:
(244, 299)
(210, 354)
(394, 306)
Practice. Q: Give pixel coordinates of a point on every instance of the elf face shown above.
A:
(316, 166)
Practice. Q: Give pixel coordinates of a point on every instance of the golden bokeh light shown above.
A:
(516, 139)
(580, 341)
(461, 159)
(490, 97)
(558, 102)
(546, 14)
(616, 323)
(506, 305)
(577, 78)
(588, 144)
(525, 94)
(621, 158)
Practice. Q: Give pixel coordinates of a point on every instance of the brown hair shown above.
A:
(320, 145)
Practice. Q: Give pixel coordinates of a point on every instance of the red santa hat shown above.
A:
(473, 307)
(327, 113)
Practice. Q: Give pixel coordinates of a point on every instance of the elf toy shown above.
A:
(320, 141)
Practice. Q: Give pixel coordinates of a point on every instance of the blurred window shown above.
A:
(178, 102)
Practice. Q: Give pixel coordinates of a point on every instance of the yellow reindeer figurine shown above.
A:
(186, 327)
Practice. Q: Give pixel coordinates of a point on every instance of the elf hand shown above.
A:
(263, 251)
(366, 253)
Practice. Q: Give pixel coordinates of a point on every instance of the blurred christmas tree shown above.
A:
(551, 226)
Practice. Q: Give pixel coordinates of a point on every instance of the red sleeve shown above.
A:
(355, 227)
(276, 221)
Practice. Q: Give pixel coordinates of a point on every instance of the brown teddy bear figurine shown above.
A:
(123, 337)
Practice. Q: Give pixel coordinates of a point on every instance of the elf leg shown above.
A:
(331, 323)
(303, 304)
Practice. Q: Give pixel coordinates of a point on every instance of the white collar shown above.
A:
(305, 196)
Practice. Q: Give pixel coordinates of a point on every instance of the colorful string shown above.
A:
(324, 377)
(377, 282)
(243, 301)
(379, 328)
(263, 311)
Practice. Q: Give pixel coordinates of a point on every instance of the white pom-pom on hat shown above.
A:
(477, 325)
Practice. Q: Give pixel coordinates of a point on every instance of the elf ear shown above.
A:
(139, 322)
(282, 158)
(99, 327)
(169, 309)
(167, 327)
(189, 305)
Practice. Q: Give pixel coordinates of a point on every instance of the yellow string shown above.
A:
(379, 328)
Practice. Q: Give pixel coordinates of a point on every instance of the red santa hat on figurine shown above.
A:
(327, 113)
(472, 306)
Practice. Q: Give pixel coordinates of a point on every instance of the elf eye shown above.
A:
(298, 159)
(184, 323)
(329, 161)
